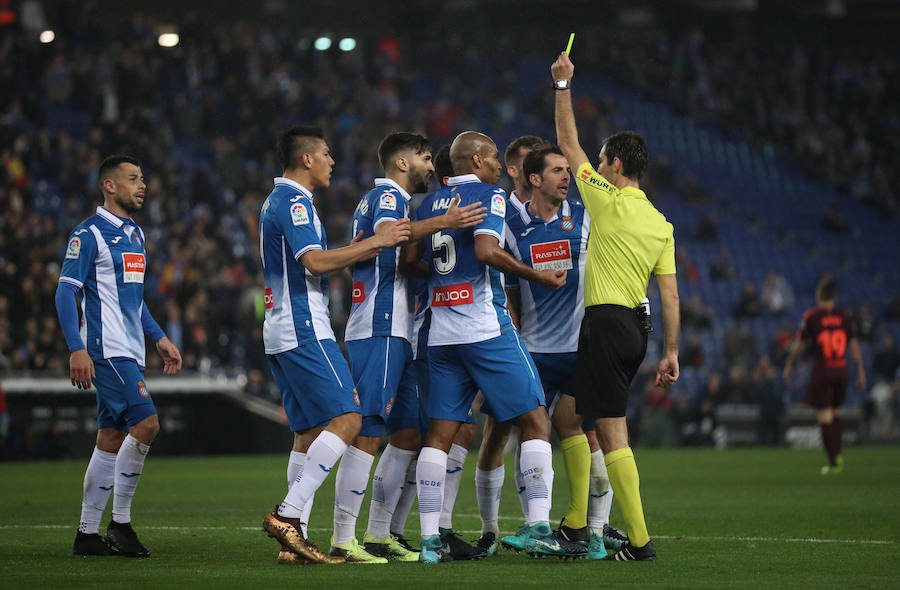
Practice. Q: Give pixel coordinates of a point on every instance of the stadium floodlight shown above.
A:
(347, 44)
(323, 43)
(47, 36)
(168, 39)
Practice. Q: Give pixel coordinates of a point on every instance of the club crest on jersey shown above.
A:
(498, 205)
(388, 202)
(142, 389)
(567, 223)
(299, 214)
(73, 250)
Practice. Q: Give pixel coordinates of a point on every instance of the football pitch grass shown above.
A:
(743, 518)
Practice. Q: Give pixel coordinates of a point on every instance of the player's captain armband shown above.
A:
(73, 250)
(388, 202)
(498, 204)
(133, 267)
(299, 214)
(588, 175)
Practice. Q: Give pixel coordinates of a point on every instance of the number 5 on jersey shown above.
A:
(444, 249)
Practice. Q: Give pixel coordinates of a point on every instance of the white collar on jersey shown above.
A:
(525, 214)
(391, 183)
(462, 179)
(294, 185)
(514, 200)
(110, 217)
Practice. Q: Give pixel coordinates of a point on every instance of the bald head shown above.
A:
(476, 153)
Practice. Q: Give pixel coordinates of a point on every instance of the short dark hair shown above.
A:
(631, 149)
(294, 142)
(536, 160)
(827, 289)
(443, 166)
(112, 162)
(529, 142)
(398, 142)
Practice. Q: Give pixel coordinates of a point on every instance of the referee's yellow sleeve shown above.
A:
(594, 189)
(665, 265)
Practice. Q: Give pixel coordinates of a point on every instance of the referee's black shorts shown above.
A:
(611, 347)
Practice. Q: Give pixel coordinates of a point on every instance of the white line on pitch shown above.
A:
(476, 532)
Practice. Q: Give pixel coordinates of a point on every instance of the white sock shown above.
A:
(456, 458)
(294, 469)
(129, 465)
(349, 491)
(488, 485)
(431, 470)
(98, 483)
(537, 469)
(520, 483)
(404, 504)
(321, 456)
(387, 485)
(600, 500)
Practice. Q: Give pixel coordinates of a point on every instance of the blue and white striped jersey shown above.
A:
(380, 306)
(296, 300)
(550, 320)
(106, 258)
(468, 303)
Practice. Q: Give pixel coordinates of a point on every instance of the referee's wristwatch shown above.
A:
(562, 84)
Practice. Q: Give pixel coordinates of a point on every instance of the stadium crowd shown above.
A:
(203, 117)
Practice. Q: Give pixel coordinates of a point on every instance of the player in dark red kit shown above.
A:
(830, 331)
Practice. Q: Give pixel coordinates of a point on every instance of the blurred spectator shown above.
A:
(738, 388)
(722, 268)
(694, 316)
(777, 294)
(866, 323)
(834, 220)
(782, 346)
(749, 305)
(693, 352)
(707, 228)
(767, 393)
(712, 391)
(657, 422)
(699, 426)
(886, 360)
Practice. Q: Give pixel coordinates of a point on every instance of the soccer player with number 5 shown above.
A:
(830, 330)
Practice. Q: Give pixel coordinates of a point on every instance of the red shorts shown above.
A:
(827, 393)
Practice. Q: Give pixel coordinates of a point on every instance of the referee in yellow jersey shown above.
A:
(629, 239)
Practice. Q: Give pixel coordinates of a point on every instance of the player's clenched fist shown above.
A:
(552, 279)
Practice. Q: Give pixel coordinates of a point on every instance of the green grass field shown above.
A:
(736, 519)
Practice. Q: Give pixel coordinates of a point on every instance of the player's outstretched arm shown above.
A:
(454, 218)
(488, 251)
(667, 372)
(566, 132)
(387, 235)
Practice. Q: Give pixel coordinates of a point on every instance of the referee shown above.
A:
(629, 239)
